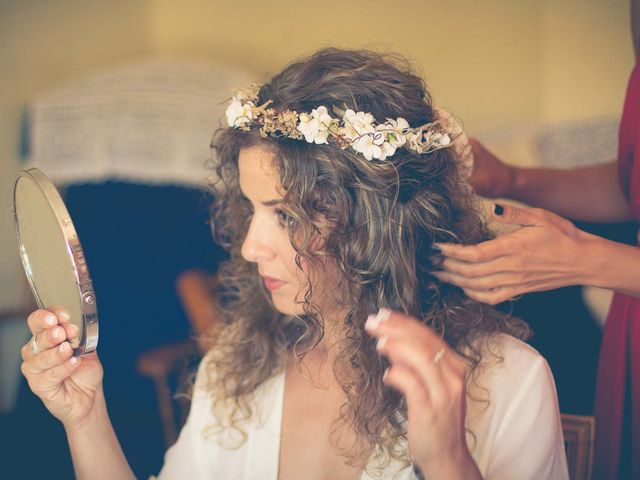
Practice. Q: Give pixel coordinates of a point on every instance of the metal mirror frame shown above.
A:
(89, 337)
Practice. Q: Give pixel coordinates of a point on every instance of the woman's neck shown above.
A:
(319, 359)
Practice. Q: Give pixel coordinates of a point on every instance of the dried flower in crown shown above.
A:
(356, 130)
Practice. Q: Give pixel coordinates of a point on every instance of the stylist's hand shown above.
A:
(491, 177)
(546, 252)
(432, 377)
(67, 385)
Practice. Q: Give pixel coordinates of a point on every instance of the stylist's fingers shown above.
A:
(523, 216)
(488, 282)
(531, 217)
(482, 252)
(495, 296)
(501, 294)
(508, 263)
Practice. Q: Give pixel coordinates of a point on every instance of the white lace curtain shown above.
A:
(150, 122)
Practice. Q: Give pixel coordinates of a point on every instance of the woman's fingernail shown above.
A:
(56, 333)
(381, 343)
(50, 320)
(498, 209)
(64, 347)
(73, 331)
(372, 322)
(383, 314)
(73, 360)
(435, 249)
(64, 315)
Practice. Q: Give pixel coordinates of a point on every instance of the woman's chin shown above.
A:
(286, 306)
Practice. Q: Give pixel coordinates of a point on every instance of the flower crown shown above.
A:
(358, 130)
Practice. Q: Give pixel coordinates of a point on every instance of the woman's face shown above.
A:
(267, 242)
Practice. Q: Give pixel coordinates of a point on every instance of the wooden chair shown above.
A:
(579, 434)
(195, 289)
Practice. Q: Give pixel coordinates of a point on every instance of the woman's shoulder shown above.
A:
(511, 375)
(512, 399)
(503, 355)
(509, 369)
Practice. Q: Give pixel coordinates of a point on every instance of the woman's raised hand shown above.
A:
(66, 384)
(432, 377)
(545, 252)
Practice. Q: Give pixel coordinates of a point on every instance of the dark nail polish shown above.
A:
(436, 250)
(498, 209)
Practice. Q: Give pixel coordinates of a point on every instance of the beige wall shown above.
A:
(495, 63)
(588, 55)
(470, 52)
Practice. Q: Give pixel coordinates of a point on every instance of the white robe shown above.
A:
(516, 436)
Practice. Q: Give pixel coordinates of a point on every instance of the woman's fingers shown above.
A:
(49, 328)
(60, 372)
(41, 320)
(47, 383)
(404, 328)
(407, 342)
(407, 382)
(431, 375)
(44, 340)
(48, 359)
(64, 320)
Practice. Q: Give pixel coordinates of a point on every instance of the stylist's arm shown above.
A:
(543, 253)
(71, 389)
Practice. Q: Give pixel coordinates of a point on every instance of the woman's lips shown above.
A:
(272, 283)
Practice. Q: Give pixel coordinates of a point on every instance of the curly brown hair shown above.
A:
(385, 217)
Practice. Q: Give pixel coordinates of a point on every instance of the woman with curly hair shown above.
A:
(340, 356)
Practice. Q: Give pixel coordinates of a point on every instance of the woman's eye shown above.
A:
(283, 218)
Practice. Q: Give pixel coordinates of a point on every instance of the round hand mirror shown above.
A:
(52, 256)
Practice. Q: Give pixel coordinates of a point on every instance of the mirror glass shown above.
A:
(52, 256)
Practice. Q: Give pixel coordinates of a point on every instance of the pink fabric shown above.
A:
(619, 366)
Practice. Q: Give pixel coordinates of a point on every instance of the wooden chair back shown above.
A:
(579, 435)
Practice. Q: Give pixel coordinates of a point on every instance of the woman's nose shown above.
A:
(256, 246)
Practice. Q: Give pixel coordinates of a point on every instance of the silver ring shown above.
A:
(438, 356)
(34, 346)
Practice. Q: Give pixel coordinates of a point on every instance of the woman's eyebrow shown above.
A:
(266, 203)
(272, 203)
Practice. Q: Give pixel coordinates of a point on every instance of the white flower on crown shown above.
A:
(438, 139)
(356, 124)
(317, 126)
(371, 145)
(395, 131)
(393, 136)
(239, 113)
(414, 140)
